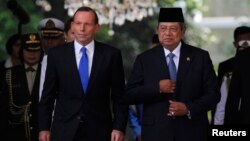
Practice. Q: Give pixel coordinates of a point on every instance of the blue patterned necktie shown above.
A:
(83, 69)
(171, 66)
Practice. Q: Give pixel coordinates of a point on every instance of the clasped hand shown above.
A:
(167, 86)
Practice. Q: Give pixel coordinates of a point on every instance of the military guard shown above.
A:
(52, 32)
(21, 91)
(52, 35)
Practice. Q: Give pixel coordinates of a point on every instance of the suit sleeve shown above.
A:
(209, 92)
(120, 110)
(4, 105)
(137, 91)
(233, 99)
(46, 104)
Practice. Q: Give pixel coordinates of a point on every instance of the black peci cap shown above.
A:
(173, 14)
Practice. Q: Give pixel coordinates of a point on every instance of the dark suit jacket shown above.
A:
(196, 87)
(17, 102)
(237, 109)
(224, 68)
(2, 69)
(3, 104)
(63, 84)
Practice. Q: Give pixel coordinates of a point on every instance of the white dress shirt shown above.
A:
(78, 55)
(42, 76)
(90, 52)
(31, 75)
(176, 52)
(220, 108)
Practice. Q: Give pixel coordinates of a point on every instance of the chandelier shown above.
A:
(114, 12)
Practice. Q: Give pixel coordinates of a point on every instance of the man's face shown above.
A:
(84, 27)
(242, 41)
(69, 36)
(170, 34)
(52, 42)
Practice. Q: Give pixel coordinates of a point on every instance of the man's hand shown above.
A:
(44, 136)
(177, 108)
(117, 136)
(167, 86)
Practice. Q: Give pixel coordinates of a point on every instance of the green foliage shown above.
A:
(132, 39)
(103, 33)
(164, 3)
(194, 5)
(9, 23)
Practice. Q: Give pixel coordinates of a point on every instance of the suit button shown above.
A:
(29, 102)
(79, 117)
(30, 115)
(31, 128)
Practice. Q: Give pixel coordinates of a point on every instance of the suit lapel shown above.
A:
(184, 63)
(37, 80)
(70, 59)
(95, 64)
(25, 80)
(163, 69)
(35, 89)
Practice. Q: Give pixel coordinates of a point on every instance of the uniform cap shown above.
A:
(173, 14)
(51, 27)
(31, 42)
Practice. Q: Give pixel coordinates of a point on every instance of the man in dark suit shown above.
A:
(83, 113)
(237, 110)
(176, 92)
(225, 71)
(21, 91)
(135, 111)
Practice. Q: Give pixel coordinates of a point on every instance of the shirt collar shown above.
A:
(8, 63)
(34, 66)
(176, 51)
(89, 47)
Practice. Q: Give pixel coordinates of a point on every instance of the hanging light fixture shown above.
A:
(114, 12)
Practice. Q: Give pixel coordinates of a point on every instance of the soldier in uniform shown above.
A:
(52, 35)
(21, 91)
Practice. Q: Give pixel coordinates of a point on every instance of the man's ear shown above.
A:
(235, 44)
(97, 28)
